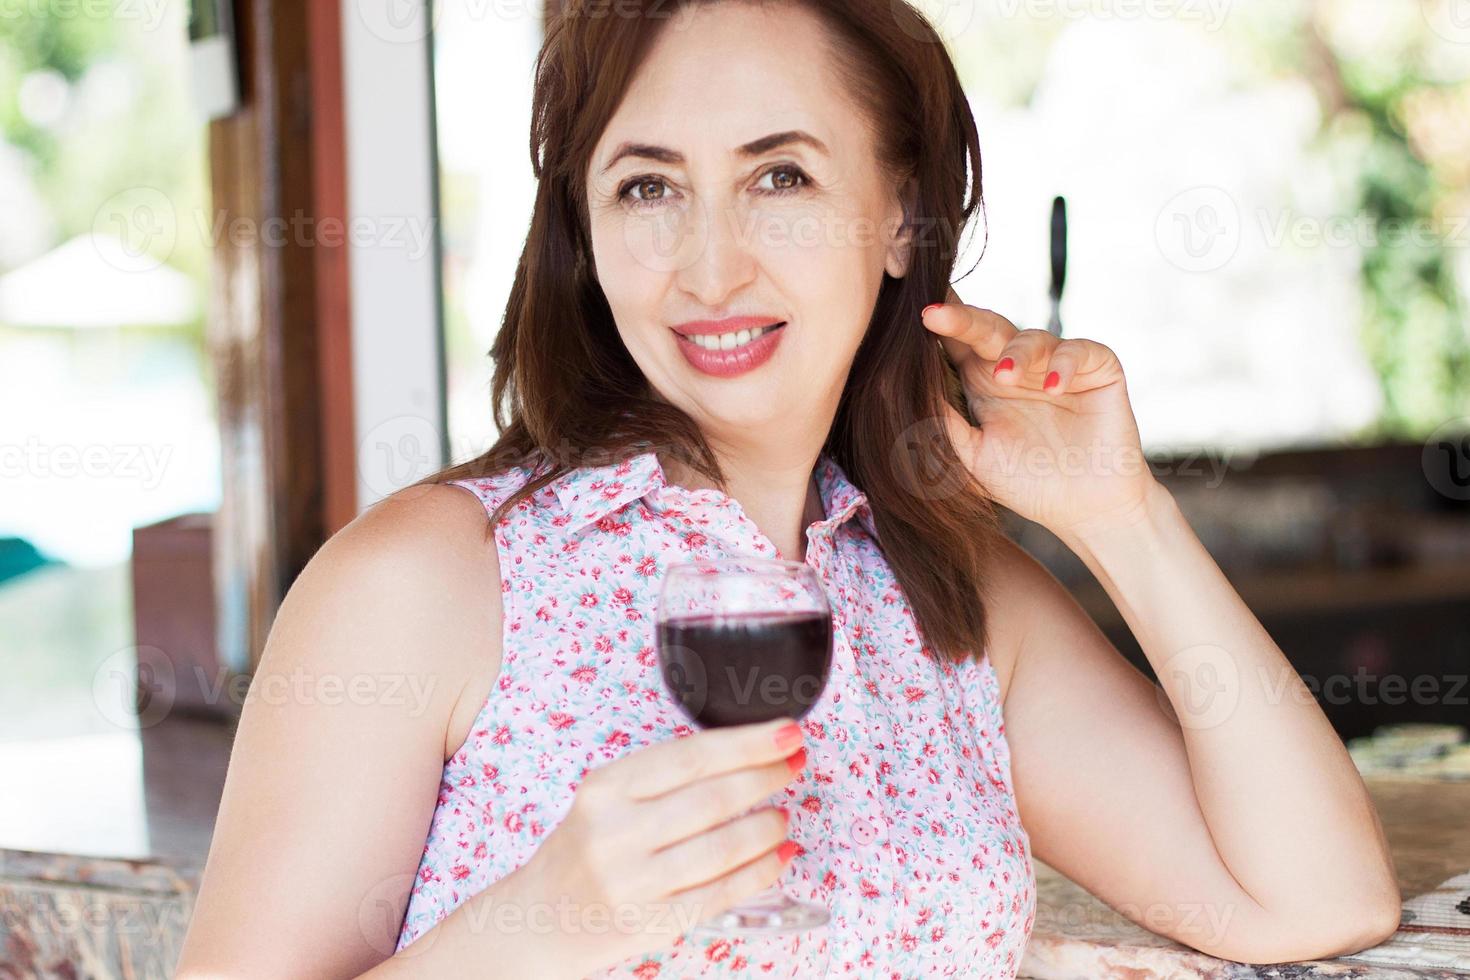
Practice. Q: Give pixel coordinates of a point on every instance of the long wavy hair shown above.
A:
(566, 391)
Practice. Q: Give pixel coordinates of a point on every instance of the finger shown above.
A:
(1080, 365)
(708, 900)
(1024, 359)
(715, 853)
(670, 765)
(969, 332)
(693, 809)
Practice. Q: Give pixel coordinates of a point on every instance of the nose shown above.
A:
(722, 263)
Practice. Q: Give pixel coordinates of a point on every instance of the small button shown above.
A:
(869, 827)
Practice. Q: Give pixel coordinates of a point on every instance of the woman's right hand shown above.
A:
(658, 840)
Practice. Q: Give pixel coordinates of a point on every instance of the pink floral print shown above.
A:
(905, 814)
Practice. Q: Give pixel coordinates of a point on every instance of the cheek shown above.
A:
(630, 285)
(830, 271)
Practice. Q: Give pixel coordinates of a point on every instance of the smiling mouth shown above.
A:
(732, 340)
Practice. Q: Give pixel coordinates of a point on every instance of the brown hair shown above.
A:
(563, 377)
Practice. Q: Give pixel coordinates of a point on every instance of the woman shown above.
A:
(789, 178)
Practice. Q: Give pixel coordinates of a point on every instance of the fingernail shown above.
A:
(787, 850)
(1005, 364)
(1051, 380)
(788, 736)
(796, 762)
(931, 306)
(785, 813)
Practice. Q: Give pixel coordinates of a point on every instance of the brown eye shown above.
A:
(784, 180)
(643, 197)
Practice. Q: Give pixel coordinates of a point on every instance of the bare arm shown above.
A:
(328, 799)
(1222, 810)
(336, 765)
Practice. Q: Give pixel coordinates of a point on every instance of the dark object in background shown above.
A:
(1058, 262)
(179, 669)
(1355, 559)
(18, 556)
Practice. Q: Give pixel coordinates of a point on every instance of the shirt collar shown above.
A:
(589, 493)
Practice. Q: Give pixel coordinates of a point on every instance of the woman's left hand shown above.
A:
(1066, 456)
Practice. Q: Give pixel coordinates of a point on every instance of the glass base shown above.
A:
(771, 911)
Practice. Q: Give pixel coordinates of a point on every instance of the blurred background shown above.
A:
(252, 256)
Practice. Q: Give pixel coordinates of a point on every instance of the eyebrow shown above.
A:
(754, 148)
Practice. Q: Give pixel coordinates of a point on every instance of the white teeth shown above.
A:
(728, 341)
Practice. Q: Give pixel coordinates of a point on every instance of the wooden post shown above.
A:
(279, 320)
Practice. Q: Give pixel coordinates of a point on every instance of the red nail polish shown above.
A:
(788, 736)
(785, 814)
(787, 850)
(796, 762)
(1051, 380)
(931, 306)
(1005, 364)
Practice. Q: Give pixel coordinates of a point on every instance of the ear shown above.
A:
(900, 230)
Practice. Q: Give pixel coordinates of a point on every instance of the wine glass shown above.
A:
(740, 641)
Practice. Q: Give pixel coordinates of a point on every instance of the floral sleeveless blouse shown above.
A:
(905, 818)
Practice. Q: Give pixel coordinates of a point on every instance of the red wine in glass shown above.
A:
(746, 667)
(740, 641)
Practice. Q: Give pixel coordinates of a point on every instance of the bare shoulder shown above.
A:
(1020, 592)
(419, 563)
(336, 764)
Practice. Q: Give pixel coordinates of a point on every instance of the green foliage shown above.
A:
(127, 122)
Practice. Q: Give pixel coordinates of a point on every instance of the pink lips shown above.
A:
(737, 361)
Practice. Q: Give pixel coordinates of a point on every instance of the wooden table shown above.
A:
(1077, 936)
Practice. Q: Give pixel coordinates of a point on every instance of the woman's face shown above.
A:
(700, 222)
